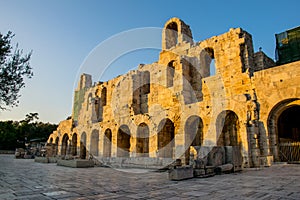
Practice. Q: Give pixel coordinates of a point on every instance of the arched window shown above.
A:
(89, 101)
(104, 96)
(171, 35)
(207, 62)
(141, 86)
(170, 73)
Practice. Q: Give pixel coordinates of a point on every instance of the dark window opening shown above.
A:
(207, 62)
(171, 35)
(170, 73)
(141, 86)
(289, 125)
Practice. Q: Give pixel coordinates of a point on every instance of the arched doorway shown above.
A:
(193, 134)
(64, 145)
(94, 142)
(228, 129)
(56, 145)
(123, 141)
(107, 143)
(284, 130)
(229, 144)
(74, 145)
(289, 125)
(142, 140)
(165, 138)
(83, 146)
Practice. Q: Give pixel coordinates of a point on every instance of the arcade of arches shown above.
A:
(215, 97)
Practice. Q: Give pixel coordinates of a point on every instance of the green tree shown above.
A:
(15, 134)
(8, 135)
(14, 66)
(30, 117)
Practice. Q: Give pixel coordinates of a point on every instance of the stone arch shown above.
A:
(64, 144)
(175, 32)
(228, 128)
(89, 101)
(207, 62)
(51, 140)
(171, 35)
(83, 145)
(123, 141)
(289, 124)
(165, 138)
(142, 140)
(98, 106)
(104, 96)
(107, 143)
(141, 89)
(56, 145)
(170, 73)
(279, 113)
(192, 80)
(193, 130)
(74, 145)
(94, 143)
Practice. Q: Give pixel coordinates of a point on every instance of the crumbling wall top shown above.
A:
(85, 81)
(175, 32)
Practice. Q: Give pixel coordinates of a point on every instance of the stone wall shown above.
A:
(147, 112)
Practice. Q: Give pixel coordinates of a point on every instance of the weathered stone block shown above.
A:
(209, 170)
(181, 173)
(199, 172)
(76, 163)
(227, 168)
(41, 159)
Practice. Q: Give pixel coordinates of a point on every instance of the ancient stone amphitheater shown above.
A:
(244, 113)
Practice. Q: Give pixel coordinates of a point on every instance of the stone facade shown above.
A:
(176, 109)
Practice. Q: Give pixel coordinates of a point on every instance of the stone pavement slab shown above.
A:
(26, 179)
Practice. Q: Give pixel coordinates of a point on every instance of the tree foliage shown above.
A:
(14, 66)
(15, 134)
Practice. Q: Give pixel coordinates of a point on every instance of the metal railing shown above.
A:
(289, 151)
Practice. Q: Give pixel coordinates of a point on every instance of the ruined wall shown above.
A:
(148, 112)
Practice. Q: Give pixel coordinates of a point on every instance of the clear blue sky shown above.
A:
(63, 33)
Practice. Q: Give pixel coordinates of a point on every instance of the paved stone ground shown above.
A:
(25, 179)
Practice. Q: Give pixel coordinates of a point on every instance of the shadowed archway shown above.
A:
(142, 140)
(123, 141)
(83, 146)
(165, 139)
